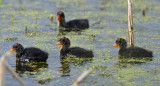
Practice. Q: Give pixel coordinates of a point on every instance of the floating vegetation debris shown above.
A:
(92, 36)
(43, 81)
(11, 38)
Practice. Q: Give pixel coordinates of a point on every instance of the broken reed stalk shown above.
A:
(36, 18)
(130, 25)
(3, 67)
(51, 18)
(81, 77)
(12, 19)
(25, 28)
(143, 12)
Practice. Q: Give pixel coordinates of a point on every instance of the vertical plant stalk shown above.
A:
(143, 12)
(36, 25)
(51, 18)
(0, 2)
(26, 28)
(12, 19)
(130, 25)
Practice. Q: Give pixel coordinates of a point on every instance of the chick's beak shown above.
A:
(12, 49)
(58, 17)
(116, 45)
(59, 43)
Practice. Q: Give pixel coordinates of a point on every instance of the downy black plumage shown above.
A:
(29, 54)
(76, 24)
(131, 51)
(66, 51)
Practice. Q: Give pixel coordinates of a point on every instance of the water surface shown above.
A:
(108, 21)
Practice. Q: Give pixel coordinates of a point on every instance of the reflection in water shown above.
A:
(22, 67)
(63, 31)
(65, 68)
(33, 68)
(67, 61)
(123, 62)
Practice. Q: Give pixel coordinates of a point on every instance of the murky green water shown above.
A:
(108, 20)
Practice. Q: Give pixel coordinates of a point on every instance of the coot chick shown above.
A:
(131, 51)
(75, 24)
(30, 54)
(66, 51)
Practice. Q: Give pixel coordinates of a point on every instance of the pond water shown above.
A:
(108, 21)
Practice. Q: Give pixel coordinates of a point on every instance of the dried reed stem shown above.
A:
(81, 77)
(130, 25)
(3, 67)
(15, 75)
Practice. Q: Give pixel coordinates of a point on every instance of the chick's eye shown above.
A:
(15, 47)
(61, 41)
